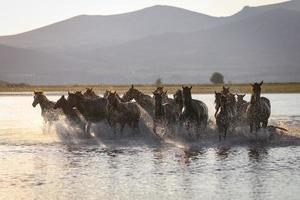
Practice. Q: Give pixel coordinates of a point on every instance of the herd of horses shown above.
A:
(83, 109)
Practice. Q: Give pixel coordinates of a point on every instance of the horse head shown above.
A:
(61, 103)
(256, 89)
(225, 90)
(74, 98)
(240, 97)
(178, 96)
(187, 94)
(37, 98)
(130, 94)
(113, 99)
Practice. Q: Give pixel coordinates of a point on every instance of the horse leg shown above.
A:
(225, 132)
(154, 126)
(251, 127)
(122, 127)
(88, 128)
(265, 124)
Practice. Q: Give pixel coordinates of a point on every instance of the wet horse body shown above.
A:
(71, 114)
(241, 108)
(223, 118)
(164, 112)
(122, 113)
(93, 110)
(259, 109)
(48, 112)
(193, 111)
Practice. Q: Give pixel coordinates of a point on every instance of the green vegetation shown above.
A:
(217, 78)
(197, 88)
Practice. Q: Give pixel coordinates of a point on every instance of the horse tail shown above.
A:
(278, 127)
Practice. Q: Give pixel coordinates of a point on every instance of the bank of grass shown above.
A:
(197, 88)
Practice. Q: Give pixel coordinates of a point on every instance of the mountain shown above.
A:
(24, 65)
(266, 46)
(88, 32)
(161, 41)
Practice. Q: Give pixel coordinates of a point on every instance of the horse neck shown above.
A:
(187, 102)
(142, 98)
(117, 103)
(45, 103)
(80, 105)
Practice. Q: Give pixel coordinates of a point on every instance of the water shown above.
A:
(35, 164)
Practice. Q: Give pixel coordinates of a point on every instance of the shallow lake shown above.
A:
(39, 164)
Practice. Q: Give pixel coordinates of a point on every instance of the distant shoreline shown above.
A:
(171, 88)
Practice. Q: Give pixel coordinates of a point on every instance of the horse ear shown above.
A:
(244, 95)
(261, 83)
(69, 92)
(182, 87)
(132, 86)
(191, 87)
(166, 92)
(115, 92)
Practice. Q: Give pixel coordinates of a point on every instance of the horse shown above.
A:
(89, 93)
(122, 113)
(241, 108)
(194, 111)
(145, 101)
(259, 109)
(166, 99)
(164, 112)
(70, 113)
(107, 92)
(223, 118)
(218, 96)
(93, 110)
(49, 114)
(178, 101)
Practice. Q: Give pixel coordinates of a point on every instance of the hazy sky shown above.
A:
(23, 15)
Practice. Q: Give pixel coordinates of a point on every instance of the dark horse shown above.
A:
(71, 114)
(259, 109)
(145, 101)
(194, 111)
(89, 93)
(93, 110)
(47, 107)
(164, 112)
(223, 118)
(178, 101)
(122, 113)
(241, 108)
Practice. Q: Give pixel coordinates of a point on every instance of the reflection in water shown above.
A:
(222, 152)
(38, 166)
(257, 152)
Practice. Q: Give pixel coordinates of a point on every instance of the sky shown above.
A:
(19, 16)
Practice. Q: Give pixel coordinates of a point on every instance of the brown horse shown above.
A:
(144, 100)
(122, 113)
(178, 101)
(241, 108)
(259, 110)
(194, 111)
(49, 114)
(70, 113)
(223, 118)
(93, 110)
(89, 93)
(164, 112)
